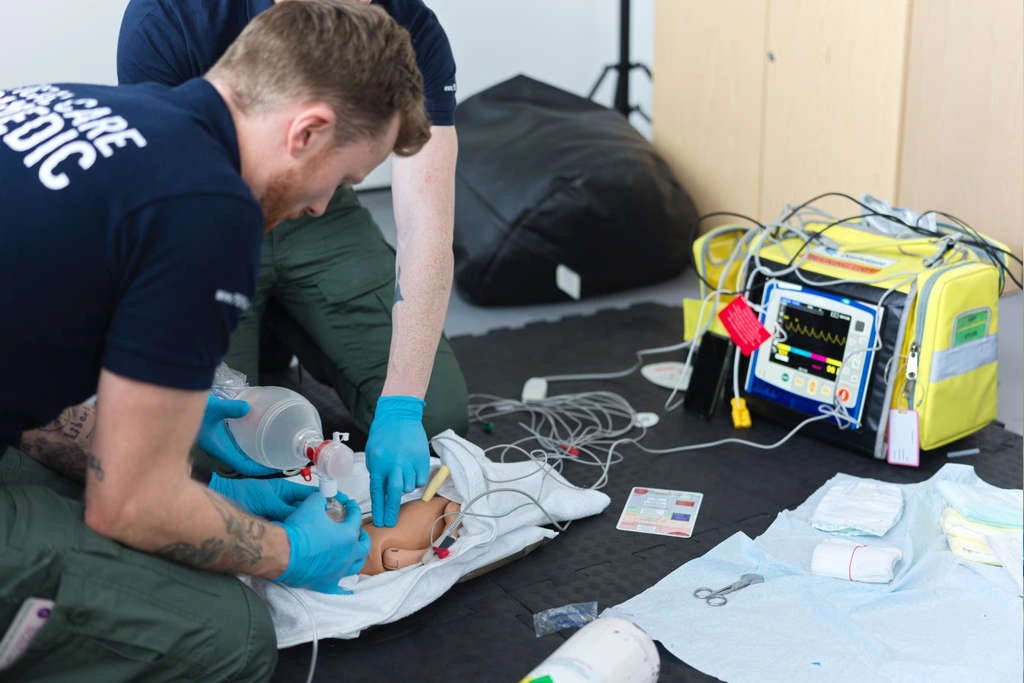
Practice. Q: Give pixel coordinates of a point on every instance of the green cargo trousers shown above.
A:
(325, 289)
(119, 614)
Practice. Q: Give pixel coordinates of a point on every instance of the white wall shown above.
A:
(59, 40)
(563, 42)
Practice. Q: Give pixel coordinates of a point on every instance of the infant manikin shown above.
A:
(405, 543)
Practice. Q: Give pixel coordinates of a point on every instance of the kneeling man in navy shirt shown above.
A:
(130, 227)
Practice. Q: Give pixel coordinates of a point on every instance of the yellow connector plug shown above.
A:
(740, 414)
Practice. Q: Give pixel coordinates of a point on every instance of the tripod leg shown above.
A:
(643, 67)
(642, 113)
(600, 80)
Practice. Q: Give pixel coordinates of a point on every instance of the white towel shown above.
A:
(507, 523)
(842, 558)
(859, 507)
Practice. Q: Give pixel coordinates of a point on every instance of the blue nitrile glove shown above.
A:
(272, 499)
(215, 439)
(323, 551)
(397, 455)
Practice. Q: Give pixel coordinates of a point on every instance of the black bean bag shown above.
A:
(559, 197)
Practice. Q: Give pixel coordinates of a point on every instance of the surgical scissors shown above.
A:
(717, 598)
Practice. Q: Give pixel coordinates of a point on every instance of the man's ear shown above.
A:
(311, 130)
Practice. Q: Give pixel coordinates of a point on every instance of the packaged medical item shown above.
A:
(227, 382)
(573, 615)
(609, 650)
(859, 507)
(985, 504)
(844, 559)
(971, 540)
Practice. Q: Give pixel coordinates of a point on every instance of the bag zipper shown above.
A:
(914, 352)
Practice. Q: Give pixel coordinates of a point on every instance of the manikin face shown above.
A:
(307, 186)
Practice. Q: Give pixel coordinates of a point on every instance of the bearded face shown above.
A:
(287, 194)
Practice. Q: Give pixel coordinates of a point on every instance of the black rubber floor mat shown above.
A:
(482, 630)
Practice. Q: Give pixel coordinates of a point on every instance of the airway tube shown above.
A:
(843, 559)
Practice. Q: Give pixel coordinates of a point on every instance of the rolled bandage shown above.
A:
(844, 559)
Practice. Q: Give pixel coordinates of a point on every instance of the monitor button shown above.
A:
(843, 394)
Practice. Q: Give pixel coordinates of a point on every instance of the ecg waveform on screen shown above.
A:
(794, 325)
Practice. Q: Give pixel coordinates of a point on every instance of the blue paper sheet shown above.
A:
(941, 619)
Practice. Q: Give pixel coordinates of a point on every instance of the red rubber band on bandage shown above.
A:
(849, 569)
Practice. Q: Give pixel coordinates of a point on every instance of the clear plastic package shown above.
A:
(227, 383)
(572, 615)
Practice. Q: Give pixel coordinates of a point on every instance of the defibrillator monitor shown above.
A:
(820, 352)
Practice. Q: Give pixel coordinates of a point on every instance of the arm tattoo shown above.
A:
(63, 445)
(239, 550)
(398, 288)
(94, 466)
(55, 453)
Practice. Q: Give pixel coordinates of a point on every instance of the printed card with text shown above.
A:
(660, 511)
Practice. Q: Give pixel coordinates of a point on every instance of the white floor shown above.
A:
(465, 318)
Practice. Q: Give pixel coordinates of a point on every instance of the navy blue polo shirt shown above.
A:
(128, 241)
(171, 41)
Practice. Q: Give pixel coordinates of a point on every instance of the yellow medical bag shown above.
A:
(937, 314)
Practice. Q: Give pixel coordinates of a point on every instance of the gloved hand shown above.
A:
(215, 439)
(323, 551)
(273, 499)
(397, 455)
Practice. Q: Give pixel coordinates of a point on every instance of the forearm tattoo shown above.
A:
(64, 444)
(398, 287)
(240, 549)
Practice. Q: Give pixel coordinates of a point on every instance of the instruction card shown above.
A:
(660, 511)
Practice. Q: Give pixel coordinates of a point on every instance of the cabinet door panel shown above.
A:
(963, 133)
(833, 100)
(707, 99)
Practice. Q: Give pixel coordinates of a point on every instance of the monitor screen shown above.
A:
(821, 351)
(813, 339)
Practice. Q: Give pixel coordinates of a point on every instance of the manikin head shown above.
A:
(321, 92)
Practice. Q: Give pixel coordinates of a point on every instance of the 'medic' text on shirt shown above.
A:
(47, 123)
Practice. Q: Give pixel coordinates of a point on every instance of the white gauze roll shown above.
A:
(841, 558)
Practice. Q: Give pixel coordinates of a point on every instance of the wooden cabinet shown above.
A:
(760, 103)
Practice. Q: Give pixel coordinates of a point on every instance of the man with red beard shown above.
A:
(130, 238)
(360, 316)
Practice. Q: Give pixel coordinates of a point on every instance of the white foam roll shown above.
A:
(608, 650)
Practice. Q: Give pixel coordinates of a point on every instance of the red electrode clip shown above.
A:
(442, 550)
